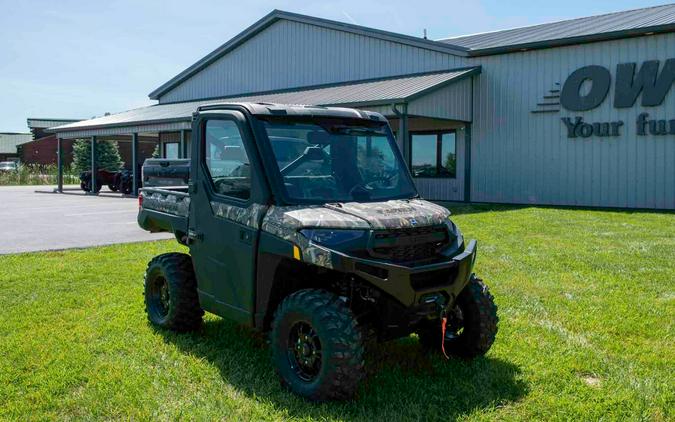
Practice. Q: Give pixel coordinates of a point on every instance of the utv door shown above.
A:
(226, 185)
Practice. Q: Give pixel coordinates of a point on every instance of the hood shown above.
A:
(358, 215)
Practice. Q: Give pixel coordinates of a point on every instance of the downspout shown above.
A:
(402, 140)
(467, 152)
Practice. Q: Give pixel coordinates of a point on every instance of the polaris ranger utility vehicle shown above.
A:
(304, 222)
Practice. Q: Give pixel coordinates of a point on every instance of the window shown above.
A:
(336, 160)
(433, 154)
(226, 159)
(171, 150)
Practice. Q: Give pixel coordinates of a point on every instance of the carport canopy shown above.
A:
(414, 94)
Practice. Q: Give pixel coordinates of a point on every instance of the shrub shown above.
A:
(107, 155)
(38, 174)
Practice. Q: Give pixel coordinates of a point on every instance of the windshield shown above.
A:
(7, 165)
(334, 160)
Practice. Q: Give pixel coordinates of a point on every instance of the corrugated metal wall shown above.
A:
(452, 102)
(523, 157)
(292, 54)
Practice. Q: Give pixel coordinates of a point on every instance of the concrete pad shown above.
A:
(33, 218)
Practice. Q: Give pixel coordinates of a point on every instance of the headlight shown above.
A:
(333, 237)
(452, 227)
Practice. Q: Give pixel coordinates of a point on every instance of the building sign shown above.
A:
(653, 85)
(586, 88)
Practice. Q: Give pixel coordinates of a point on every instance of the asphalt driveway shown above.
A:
(32, 219)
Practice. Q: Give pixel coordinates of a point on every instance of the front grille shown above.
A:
(410, 244)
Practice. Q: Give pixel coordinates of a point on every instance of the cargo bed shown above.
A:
(165, 210)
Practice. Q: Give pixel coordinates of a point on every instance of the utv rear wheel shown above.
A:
(125, 188)
(471, 327)
(171, 299)
(317, 347)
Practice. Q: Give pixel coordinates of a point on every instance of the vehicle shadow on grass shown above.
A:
(403, 381)
(460, 208)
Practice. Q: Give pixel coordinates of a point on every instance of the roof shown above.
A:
(276, 15)
(356, 94)
(9, 141)
(43, 123)
(587, 29)
(574, 31)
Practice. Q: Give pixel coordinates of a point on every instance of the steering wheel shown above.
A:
(386, 178)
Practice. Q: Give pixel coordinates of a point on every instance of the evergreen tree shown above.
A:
(107, 155)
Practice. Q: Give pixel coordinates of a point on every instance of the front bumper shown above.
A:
(414, 286)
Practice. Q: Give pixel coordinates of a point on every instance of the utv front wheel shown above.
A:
(471, 326)
(317, 347)
(171, 299)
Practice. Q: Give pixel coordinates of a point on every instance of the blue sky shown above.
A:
(77, 59)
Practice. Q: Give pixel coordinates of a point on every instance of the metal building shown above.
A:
(579, 112)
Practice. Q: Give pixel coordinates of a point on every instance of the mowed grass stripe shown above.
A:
(586, 300)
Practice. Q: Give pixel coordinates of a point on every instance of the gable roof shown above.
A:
(44, 123)
(276, 15)
(573, 31)
(594, 28)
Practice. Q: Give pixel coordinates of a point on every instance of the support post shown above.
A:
(467, 162)
(134, 165)
(182, 153)
(93, 190)
(59, 165)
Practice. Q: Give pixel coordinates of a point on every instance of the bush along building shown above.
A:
(579, 112)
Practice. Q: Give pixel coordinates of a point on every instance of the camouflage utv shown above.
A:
(303, 222)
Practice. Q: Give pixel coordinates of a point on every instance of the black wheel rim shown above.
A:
(304, 351)
(160, 299)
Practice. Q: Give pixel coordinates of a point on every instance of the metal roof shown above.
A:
(276, 15)
(587, 29)
(358, 93)
(43, 123)
(9, 141)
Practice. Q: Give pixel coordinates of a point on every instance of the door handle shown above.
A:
(193, 236)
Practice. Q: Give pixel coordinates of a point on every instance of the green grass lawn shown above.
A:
(586, 301)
